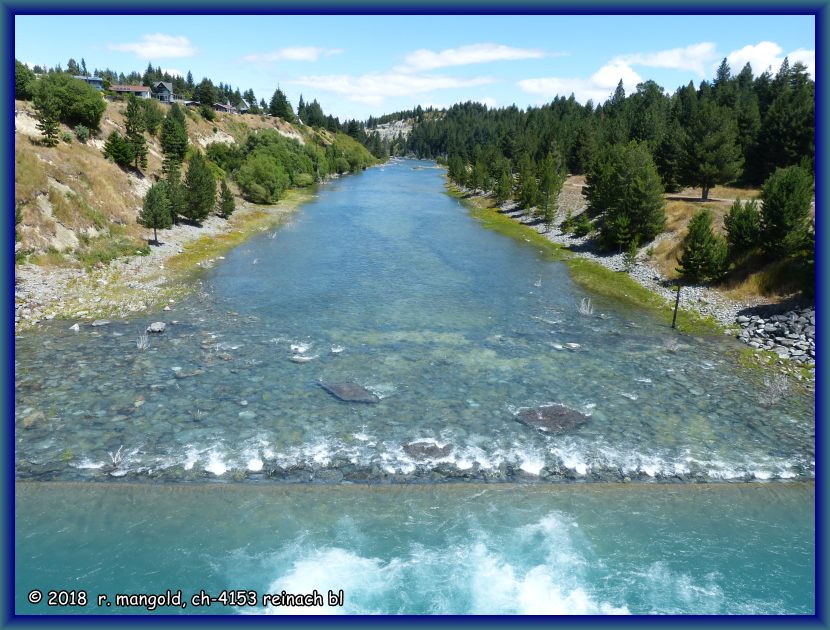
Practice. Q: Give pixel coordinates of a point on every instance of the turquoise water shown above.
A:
(213, 459)
(449, 548)
(442, 319)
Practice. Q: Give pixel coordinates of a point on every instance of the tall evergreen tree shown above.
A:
(47, 111)
(201, 189)
(135, 125)
(280, 107)
(173, 138)
(155, 211)
(711, 153)
(551, 178)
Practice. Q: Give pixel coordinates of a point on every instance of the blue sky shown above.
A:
(361, 65)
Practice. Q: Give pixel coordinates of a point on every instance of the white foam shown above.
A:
(216, 465)
(337, 349)
(533, 465)
(255, 464)
(300, 348)
(89, 464)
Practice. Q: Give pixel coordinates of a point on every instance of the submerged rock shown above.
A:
(100, 322)
(156, 327)
(552, 418)
(426, 450)
(349, 392)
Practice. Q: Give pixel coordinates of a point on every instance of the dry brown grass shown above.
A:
(29, 173)
(721, 192)
(776, 280)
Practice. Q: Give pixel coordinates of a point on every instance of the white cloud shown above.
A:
(424, 60)
(158, 46)
(293, 53)
(599, 87)
(769, 55)
(489, 101)
(373, 88)
(175, 72)
(694, 58)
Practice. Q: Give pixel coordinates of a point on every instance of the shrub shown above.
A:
(82, 133)
(262, 179)
(207, 112)
(78, 103)
(227, 205)
(582, 225)
(743, 227)
(24, 80)
(66, 137)
(118, 149)
(704, 253)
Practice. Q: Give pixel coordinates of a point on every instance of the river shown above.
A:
(219, 441)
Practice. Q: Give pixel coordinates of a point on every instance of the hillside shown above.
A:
(79, 207)
(80, 252)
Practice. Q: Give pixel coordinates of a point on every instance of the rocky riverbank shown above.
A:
(787, 331)
(135, 284)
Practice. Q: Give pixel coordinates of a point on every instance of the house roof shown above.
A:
(129, 88)
(167, 86)
(243, 104)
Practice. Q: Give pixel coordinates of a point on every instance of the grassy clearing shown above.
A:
(723, 192)
(588, 274)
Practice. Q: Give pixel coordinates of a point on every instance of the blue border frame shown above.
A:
(818, 8)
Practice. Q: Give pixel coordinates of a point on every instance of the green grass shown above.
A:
(108, 248)
(588, 274)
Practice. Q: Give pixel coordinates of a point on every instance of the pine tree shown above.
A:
(633, 196)
(786, 199)
(280, 107)
(711, 152)
(551, 178)
(703, 257)
(227, 205)
(201, 189)
(176, 192)
(47, 111)
(135, 126)
(155, 211)
(743, 227)
(173, 138)
(504, 184)
(528, 187)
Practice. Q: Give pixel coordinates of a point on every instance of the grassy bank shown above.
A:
(588, 274)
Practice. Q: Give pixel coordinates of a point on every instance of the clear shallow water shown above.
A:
(385, 281)
(449, 548)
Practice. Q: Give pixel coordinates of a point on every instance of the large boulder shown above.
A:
(426, 450)
(552, 418)
(350, 392)
(156, 327)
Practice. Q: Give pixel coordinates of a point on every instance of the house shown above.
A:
(224, 107)
(96, 82)
(139, 91)
(164, 92)
(244, 107)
